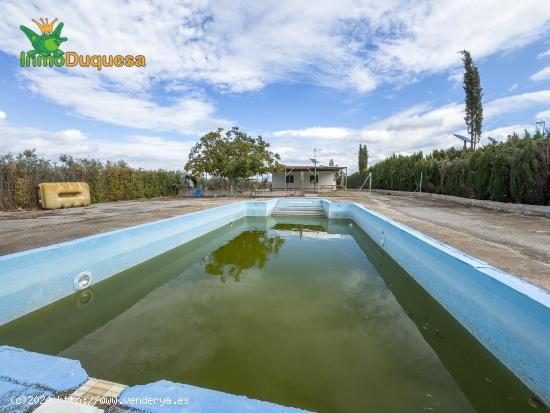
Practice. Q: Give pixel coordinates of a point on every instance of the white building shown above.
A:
(302, 178)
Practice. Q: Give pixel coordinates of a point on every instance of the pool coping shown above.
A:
(532, 291)
(476, 296)
(509, 316)
(29, 380)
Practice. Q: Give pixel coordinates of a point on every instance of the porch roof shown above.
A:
(311, 168)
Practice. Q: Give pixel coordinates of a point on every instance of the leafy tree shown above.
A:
(473, 95)
(363, 159)
(232, 155)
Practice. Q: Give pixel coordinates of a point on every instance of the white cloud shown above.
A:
(516, 102)
(2, 115)
(501, 133)
(544, 54)
(245, 45)
(456, 78)
(86, 96)
(543, 74)
(432, 35)
(543, 115)
(140, 151)
(72, 135)
(316, 132)
(419, 127)
(513, 87)
(236, 46)
(362, 80)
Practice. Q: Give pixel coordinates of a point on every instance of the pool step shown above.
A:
(298, 208)
(298, 213)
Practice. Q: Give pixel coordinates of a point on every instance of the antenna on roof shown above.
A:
(314, 160)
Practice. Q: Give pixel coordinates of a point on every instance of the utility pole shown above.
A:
(315, 177)
(314, 160)
(543, 123)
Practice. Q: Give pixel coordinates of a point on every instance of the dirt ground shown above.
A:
(30, 229)
(518, 244)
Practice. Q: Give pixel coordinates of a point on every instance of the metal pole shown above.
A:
(420, 181)
(315, 177)
(370, 182)
(346, 180)
(365, 181)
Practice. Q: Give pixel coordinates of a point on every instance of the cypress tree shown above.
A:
(363, 161)
(473, 95)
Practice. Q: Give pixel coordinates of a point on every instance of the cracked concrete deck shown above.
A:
(518, 244)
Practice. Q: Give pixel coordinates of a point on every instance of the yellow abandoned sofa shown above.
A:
(53, 195)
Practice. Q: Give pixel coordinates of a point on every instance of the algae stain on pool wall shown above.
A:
(306, 313)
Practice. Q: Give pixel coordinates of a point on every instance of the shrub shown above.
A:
(499, 183)
(517, 170)
(110, 181)
(526, 182)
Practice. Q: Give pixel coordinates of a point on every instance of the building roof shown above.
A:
(311, 168)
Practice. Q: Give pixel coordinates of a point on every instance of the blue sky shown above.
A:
(329, 75)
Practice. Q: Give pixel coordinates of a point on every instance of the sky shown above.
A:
(303, 74)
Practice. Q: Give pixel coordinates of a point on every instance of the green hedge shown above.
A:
(517, 170)
(109, 181)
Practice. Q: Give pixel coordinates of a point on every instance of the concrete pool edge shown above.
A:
(506, 314)
(29, 379)
(103, 255)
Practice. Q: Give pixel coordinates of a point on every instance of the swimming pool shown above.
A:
(302, 312)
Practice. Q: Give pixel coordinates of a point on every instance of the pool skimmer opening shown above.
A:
(82, 281)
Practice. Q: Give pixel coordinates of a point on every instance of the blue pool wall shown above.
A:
(35, 278)
(510, 317)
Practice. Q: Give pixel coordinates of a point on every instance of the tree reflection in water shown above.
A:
(250, 248)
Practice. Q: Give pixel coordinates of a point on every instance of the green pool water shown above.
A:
(308, 313)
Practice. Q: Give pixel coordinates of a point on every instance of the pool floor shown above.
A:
(308, 313)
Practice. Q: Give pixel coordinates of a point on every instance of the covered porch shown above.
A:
(309, 178)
